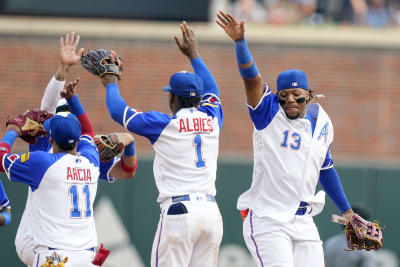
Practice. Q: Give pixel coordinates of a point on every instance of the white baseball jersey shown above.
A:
(186, 146)
(288, 156)
(63, 188)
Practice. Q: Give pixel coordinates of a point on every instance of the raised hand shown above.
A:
(68, 50)
(231, 26)
(69, 90)
(188, 45)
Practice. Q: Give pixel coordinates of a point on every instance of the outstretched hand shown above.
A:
(69, 90)
(188, 45)
(232, 27)
(68, 50)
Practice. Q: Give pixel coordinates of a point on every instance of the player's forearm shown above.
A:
(127, 166)
(115, 103)
(201, 69)
(248, 70)
(52, 94)
(330, 182)
(77, 109)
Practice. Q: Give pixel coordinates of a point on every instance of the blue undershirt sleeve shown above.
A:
(201, 69)
(115, 103)
(330, 182)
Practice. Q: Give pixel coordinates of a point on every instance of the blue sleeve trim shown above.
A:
(330, 182)
(211, 105)
(201, 69)
(87, 148)
(9, 137)
(147, 124)
(328, 162)
(105, 168)
(7, 217)
(42, 144)
(75, 106)
(29, 168)
(115, 103)
(265, 111)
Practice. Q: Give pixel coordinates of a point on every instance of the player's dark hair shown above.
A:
(310, 92)
(188, 102)
(66, 147)
(62, 108)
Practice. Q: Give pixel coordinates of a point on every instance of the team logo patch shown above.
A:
(295, 84)
(25, 157)
(12, 158)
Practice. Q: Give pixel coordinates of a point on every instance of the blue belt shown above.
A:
(90, 249)
(187, 198)
(302, 208)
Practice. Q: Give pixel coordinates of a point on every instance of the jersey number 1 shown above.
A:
(197, 143)
(75, 211)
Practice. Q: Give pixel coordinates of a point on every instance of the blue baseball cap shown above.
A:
(64, 128)
(292, 79)
(186, 84)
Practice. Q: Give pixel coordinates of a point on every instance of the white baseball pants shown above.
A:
(276, 244)
(188, 240)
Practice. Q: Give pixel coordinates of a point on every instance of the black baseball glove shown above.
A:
(102, 61)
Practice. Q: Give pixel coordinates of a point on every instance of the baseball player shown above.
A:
(52, 102)
(186, 150)
(5, 208)
(291, 142)
(63, 184)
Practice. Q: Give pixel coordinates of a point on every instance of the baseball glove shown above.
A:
(102, 61)
(362, 234)
(31, 124)
(108, 146)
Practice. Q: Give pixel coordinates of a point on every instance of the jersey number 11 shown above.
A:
(74, 192)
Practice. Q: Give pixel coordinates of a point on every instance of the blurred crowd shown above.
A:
(368, 13)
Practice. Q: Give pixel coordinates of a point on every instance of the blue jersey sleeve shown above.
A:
(147, 124)
(29, 168)
(42, 144)
(211, 105)
(105, 168)
(265, 111)
(87, 148)
(328, 163)
(4, 202)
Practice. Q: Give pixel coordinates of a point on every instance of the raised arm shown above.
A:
(77, 109)
(116, 105)
(68, 57)
(188, 46)
(247, 66)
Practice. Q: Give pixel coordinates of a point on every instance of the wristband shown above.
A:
(75, 106)
(130, 149)
(127, 168)
(249, 72)
(7, 217)
(244, 57)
